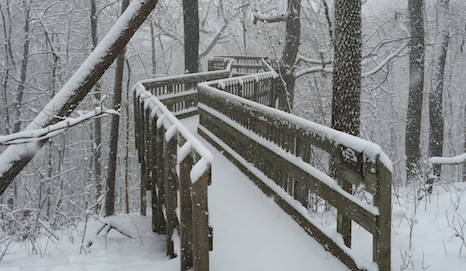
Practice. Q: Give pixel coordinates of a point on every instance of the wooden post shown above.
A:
(382, 237)
(143, 145)
(343, 221)
(153, 187)
(186, 214)
(201, 244)
(160, 182)
(170, 192)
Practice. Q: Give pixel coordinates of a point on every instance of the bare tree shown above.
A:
(15, 158)
(436, 114)
(416, 88)
(114, 129)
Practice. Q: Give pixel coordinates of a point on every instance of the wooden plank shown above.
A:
(201, 242)
(186, 214)
(171, 201)
(382, 236)
(160, 181)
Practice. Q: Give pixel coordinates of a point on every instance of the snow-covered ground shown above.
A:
(252, 233)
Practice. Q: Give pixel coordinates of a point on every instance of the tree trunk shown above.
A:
(191, 36)
(292, 39)
(347, 67)
(438, 76)
(16, 157)
(114, 129)
(416, 87)
(97, 121)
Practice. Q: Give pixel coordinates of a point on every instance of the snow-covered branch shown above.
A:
(52, 130)
(269, 18)
(313, 70)
(16, 157)
(448, 160)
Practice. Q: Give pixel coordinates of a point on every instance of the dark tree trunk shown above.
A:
(292, 39)
(438, 78)
(114, 129)
(191, 36)
(347, 67)
(416, 87)
(15, 158)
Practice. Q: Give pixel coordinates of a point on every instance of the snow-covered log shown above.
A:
(15, 158)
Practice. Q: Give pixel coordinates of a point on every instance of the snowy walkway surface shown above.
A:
(251, 232)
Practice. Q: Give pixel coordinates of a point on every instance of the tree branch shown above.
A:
(52, 130)
(384, 62)
(269, 18)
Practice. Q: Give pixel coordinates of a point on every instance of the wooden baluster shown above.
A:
(382, 199)
(343, 221)
(202, 243)
(160, 182)
(170, 149)
(186, 214)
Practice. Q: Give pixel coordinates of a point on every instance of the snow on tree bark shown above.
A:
(416, 87)
(15, 158)
(347, 67)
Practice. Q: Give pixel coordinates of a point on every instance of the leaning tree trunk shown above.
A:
(416, 87)
(438, 77)
(114, 129)
(191, 36)
(16, 157)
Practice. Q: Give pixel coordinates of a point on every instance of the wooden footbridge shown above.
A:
(235, 101)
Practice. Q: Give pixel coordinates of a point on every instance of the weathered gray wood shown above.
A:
(328, 193)
(201, 242)
(312, 230)
(171, 199)
(382, 236)
(186, 214)
(160, 181)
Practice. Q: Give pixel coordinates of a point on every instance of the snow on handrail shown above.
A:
(371, 150)
(174, 125)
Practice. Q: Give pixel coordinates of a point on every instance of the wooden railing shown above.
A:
(268, 145)
(273, 149)
(163, 143)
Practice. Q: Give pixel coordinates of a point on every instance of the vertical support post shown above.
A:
(160, 182)
(186, 211)
(343, 221)
(170, 192)
(382, 237)
(201, 245)
(143, 162)
(153, 187)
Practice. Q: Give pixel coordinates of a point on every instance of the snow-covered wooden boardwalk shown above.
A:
(251, 232)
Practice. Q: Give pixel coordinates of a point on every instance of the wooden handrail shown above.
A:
(273, 148)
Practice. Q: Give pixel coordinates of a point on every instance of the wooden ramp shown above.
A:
(251, 232)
